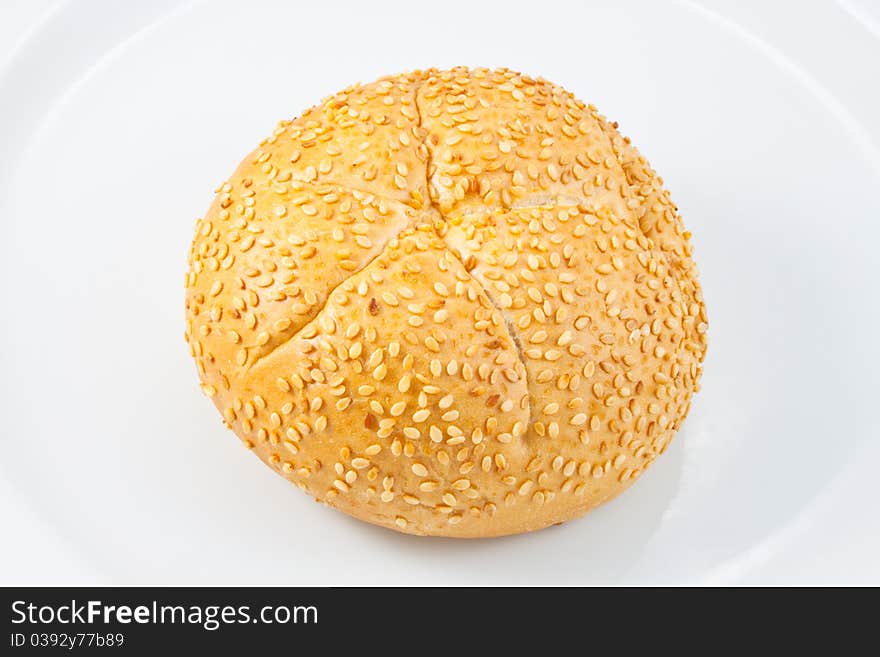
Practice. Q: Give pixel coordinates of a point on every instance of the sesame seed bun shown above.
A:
(454, 303)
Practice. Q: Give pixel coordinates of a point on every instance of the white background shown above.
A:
(117, 120)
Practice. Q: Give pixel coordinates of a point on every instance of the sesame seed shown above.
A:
(579, 419)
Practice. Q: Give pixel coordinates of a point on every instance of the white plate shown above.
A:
(117, 120)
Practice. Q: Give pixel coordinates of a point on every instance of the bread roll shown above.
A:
(453, 303)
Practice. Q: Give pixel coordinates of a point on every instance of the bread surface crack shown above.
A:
(509, 325)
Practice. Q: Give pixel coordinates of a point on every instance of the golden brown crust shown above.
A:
(365, 137)
(450, 302)
(660, 222)
(501, 139)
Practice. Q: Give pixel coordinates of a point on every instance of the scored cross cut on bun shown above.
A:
(448, 302)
